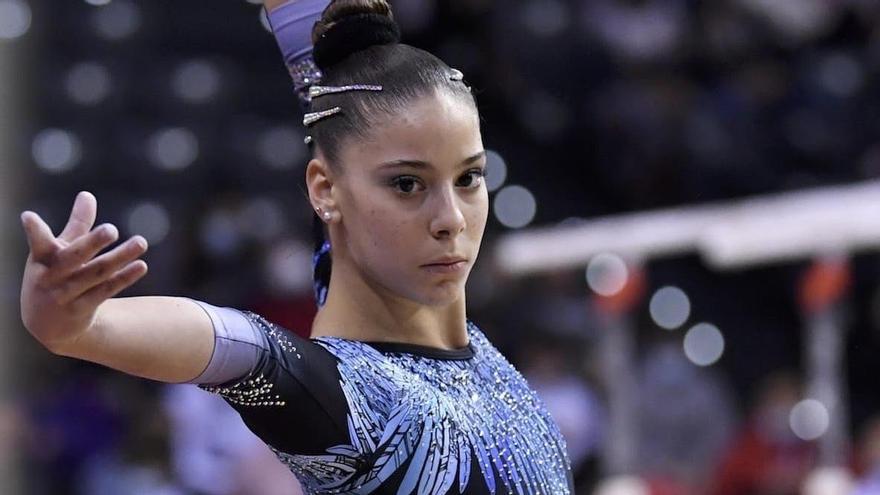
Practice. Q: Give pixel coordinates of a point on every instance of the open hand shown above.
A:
(64, 282)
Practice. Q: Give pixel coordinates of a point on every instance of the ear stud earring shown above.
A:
(323, 214)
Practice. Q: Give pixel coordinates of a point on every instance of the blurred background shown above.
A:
(668, 374)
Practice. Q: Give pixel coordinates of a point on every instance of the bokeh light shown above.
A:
(282, 147)
(288, 267)
(840, 74)
(262, 218)
(830, 480)
(670, 307)
(88, 83)
(622, 485)
(196, 81)
(219, 234)
(515, 207)
(809, 419)
(173, 148)
(15, 19)
(149, 219)
(704, 344)
(56, 150)
(607, 274)
(117, 20)
(496, 170)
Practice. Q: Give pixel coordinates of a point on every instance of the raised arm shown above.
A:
(66, 302)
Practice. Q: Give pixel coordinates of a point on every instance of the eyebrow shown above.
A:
(423, 164)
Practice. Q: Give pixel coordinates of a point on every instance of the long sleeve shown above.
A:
(292, 24)
(285, 388)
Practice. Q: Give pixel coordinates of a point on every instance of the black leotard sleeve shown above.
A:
(286, 388)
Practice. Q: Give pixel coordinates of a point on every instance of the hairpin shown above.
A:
(456, 75)
(316, 91)
(312, 117)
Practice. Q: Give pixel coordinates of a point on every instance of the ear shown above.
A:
(319, 182)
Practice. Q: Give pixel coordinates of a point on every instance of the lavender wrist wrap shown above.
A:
(292, 24)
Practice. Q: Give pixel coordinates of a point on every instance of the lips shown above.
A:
(447, 264)
(457, 267)
(446, 261)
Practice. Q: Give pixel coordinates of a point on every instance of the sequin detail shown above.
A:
(318, 91)
(434, 418)
(273, 332)
(304, 74)
(253, 392)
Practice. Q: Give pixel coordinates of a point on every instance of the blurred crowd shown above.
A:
(180, 117)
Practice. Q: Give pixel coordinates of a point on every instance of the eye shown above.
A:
(405, 184)
(476, 178)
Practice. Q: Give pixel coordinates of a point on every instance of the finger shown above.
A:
(40, 238)
(117, 283)
(100, 269)
(71, 258)
(82, 216)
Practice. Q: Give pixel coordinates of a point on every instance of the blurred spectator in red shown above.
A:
(766, 458)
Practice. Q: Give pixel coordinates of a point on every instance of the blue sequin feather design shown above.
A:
(432, 417)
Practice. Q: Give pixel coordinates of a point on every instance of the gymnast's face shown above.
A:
(411, 194)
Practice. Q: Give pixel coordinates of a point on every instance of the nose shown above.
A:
(447, 219)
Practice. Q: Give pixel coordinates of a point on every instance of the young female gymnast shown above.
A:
(396, 391)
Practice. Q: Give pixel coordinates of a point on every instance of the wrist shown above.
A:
(75, 345)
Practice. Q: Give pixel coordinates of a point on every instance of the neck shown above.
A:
(357, 310)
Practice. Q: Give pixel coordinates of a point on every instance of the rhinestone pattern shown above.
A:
(304, 74)
(273, 332)
(257, 391)
(311, 118)
(253, 392)
(434, 418)
(317, 91)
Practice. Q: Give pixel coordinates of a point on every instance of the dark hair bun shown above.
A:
(349, 26)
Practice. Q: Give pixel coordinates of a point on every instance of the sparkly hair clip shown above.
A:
(312, 117)
(316, 91)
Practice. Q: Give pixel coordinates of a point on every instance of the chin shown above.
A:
(439, 296)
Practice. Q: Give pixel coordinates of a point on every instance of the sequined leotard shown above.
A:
(354, 417)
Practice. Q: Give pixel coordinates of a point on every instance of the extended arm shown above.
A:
(67, 289)
(66, 302)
